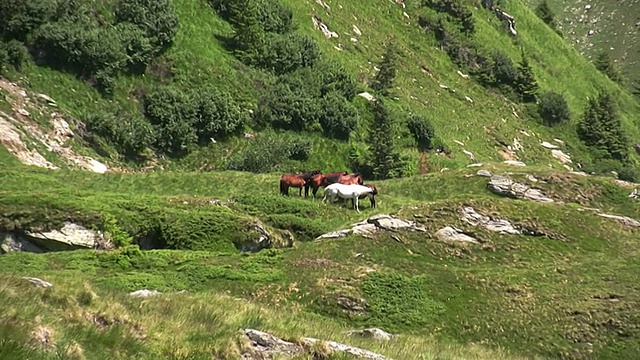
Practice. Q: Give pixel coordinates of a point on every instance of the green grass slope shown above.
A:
(198, 57)
(568, 292)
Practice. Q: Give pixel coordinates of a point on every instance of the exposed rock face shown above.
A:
(375, 224)
(501, 226)
(39, 282)
(504, 186)
(70, 237)
(484, 172)
(267, 346)
(144, 293)
(260, 238)
(624, 220)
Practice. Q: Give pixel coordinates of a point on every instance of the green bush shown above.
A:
(19, 17)
(173, 114)
(157, 18)
(286, 53)
(275, 16)
(338, 117)
(218, 115)
(285, 108)
(600, 128)
(130, 134)
(628, 173)
(334, 77)
(422, 130)
(4, 60)
(553, 108)
(270, 152)
(17, 53)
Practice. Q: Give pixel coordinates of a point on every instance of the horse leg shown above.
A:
(306, 190)
(356, 201)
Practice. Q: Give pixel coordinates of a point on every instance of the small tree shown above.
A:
(526, 85)
(386, 160)
(338, 117)
(422, 131)
(601, 129)
(387, 74)
(545, 14)
(553, 108)
(605, 64)
(249, 35)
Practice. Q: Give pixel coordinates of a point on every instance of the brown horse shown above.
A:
(320, 180)
(291, 180)
(307, 177)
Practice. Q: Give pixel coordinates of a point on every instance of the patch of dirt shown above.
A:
(16, 127)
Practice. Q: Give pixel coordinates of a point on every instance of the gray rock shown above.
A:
(514, 162)
(144, 293)
(13, 242)
(452, 234)
(624, 220)
(70, 237)
(372, 333)
(374, 224)
(39, 282)
(484, 172)
(501, 226)
(264, 239)
(504, 186)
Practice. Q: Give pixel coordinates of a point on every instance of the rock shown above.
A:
(634, 194)
(515, 162)
(393, 224)
(260, 238)
(531, 178)
(335, 234)
(374, 224)
(372, 333)
(13, 242)
(452, 234)
(474, 165)
(501, 226)
(38, 282)
(504, 186)
(484, 172)
(268, 346)
(548, 145)
(144, 293)
(97, 167)
(367, 96)
(366, 230)
(46, 98)
(70, 237)
(42, 337)
(352, 304)
(357, 31)
(23, 112)
(561, 156)
(624, 220)
(470, 154)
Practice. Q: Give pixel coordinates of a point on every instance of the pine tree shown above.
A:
(601, 129)
(545, 14)
(249, 36)
(387, 74)
(604, 63)
(386, 159)
(526, 85)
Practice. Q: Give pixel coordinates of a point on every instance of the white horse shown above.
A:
(346, 192)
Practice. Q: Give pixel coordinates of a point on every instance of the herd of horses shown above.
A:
(336, 185)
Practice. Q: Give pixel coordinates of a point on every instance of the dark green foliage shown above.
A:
(285, 53)
(553, 108)
(172, 113)
(422, 130)
(270, 152)
(19, 18)
(338, 117)
(4, 60)
(383, 80)
(285, 108)
(218, 115)
(503, 70)
(157, 18)
(457, 13)
(628, 173)
(275, 17)
(250, 37)
(334, 77)
(544, 12)
(605, 64)
(525, 84)
(211, 231)
(131, 134)
(385, 156)
(16, 53)
(398, 302)
(303, 228)
(600, 128)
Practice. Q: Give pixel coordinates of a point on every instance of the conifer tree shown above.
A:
(386, 159)
(604, 63)
(601, 129)
(387, 74)
(249, 36)
(526, 85)
(545, 14)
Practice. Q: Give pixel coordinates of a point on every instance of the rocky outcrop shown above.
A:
(70, 237)
(259, 238)
(504, 186)
(372, 333)
(375, 224)
(451, 234)
(39, 282)
(624, 220)
(266, 346)
(501, 226)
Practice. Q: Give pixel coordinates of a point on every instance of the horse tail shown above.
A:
(282, 186)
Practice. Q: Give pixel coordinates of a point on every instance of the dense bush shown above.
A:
(172, 113)
(157, 18)
(458, 13)
(334, 77)
(218, 115)
(269, 152)
(275, 17)
(284, 108)
(16, 53)
(338, 117)
(4, 60)
(19, 17)
(422, 130)
(129, 133)
(553, 108)
(285, 53)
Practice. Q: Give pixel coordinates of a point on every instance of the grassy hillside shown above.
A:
(198, 57)
(606, 25)
(567, 292)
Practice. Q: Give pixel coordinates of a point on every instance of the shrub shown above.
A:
(129, 133)
(553, 108)
(19, 17)
(384, 79)
(217, 114)
(334, 77)
(157, 18)
(628, 173)
(269, 152)
(286, 53)
(4, 60)
(286, 109)
(173, 114)
(422, 131)
(17, 53)
(275, 17)
(338, 117)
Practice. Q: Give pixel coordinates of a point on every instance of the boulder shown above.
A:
(70, 237)
(144, 293)
(258, 238)
(373, 225)
(501, 226)
(13, 242)
(38, 282)
(624, 220)
(452, 234)
(372, 333)
(504, 186)
(484, 172)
